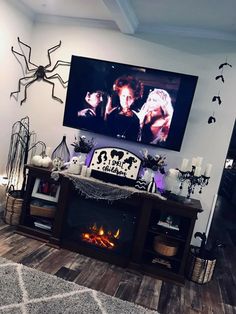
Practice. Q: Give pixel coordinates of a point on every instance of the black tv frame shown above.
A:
(88, 74)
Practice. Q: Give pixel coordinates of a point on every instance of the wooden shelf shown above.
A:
(176, 258)
(168, 234)
(149, 207)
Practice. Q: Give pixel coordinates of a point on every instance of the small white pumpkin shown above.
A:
(37, 160)
(46, 162)
(41, 161)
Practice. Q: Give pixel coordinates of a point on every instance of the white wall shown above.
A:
(13, 23)
(201, 139)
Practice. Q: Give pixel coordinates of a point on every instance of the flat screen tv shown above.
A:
(129, 102)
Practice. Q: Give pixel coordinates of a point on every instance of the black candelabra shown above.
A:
(192, 180)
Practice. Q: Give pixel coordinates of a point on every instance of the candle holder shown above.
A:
(192, 180)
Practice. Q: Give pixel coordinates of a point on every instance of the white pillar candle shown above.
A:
(184, 165)
(88, 172)
(199, 161)
(197, 172)
(208, 170)
(194, 161)
(84, 170)
(173, 173)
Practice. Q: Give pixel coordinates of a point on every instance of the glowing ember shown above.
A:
(99, 237)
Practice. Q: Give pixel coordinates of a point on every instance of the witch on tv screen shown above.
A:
(129, 102)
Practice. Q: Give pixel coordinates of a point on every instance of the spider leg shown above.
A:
(26, 86)
(59, 62)
(50, 50)
(63, 83)
(21, 42)
(20, 54)
(19, 84)
(53, 85)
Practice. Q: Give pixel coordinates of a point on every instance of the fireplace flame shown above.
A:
(101, 231)
(99, 237)
(117, 234)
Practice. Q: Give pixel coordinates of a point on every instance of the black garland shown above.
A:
(217, 97)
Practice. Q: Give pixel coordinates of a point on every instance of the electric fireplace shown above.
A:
(100, 228)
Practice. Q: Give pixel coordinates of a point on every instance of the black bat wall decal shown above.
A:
(220, 77)
(211, 120)
(225, 64)
(218, 99)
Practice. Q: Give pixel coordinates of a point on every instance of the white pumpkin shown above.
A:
(41, 161)
(37, 160)
(46, 162)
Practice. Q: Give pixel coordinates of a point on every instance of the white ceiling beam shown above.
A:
(123, 15)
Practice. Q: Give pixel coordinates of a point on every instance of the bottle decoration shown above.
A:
(62, 151)
(151, 186)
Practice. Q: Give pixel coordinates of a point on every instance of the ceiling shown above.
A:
(213, 19)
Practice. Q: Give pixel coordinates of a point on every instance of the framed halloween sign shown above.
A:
(115, 165)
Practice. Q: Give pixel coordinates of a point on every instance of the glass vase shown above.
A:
(148, 175)
(82, 157)
(62, 151)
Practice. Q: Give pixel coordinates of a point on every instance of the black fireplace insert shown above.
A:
(102, 226)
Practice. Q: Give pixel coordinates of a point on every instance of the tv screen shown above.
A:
(129, 102)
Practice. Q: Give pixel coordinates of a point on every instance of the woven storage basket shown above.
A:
(198, 269)
(164, 246)
(13, 207)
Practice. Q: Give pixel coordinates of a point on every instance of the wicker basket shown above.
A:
(164, 246)
(46, 212)
(198, 269)
(13, 207)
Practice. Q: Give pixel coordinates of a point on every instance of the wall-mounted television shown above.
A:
(129, 102)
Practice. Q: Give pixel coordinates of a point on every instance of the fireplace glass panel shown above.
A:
(102, 225)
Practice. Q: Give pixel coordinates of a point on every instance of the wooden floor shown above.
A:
(218, 296)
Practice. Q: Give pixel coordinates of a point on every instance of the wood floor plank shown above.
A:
(5, 231)
(36, 257)
(66, 273)
(110, 280)
(129, 286)
(149, 292)
(9, 243)
(55, 260)
(92, 273)
(77, 262)
(23, 248)
(170, 299)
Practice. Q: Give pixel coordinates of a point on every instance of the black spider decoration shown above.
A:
(39, 71)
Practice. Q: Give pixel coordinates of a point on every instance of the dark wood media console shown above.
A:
(144, 222)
